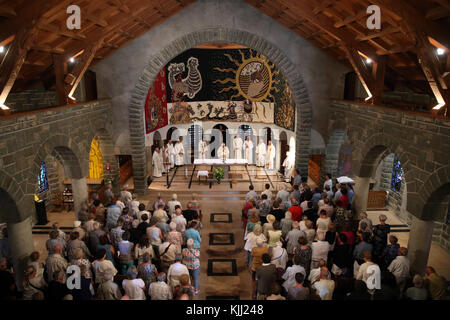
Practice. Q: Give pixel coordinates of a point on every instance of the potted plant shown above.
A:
(218, 174)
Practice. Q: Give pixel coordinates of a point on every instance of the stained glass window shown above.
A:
(397, 175)
(42, 179)
(95, 161)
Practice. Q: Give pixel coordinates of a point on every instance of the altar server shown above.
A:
(223, 152)
(288, 165)
(157, 163)
(261, 154)
(171, 154)
(248, 150)
(237, 145)
(203, 149)
(270, 156)
(179, 153)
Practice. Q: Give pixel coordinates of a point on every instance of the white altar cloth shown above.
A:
(228, 162)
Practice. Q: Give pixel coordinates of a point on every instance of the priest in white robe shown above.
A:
(248, 150)
(270, 156)
(223, 152)
(203, 150)
(237, 146)
(165, 157)
(171, 154)
(157, 164)
(179, 154)
(261, 154)
(288, 165)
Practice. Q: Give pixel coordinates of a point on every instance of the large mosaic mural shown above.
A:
(221, 85)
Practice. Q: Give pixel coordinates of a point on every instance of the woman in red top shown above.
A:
(344, 198)
(247, 206)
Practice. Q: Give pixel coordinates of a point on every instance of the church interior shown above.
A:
(238, 129)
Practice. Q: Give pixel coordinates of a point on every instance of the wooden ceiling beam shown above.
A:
(60, 67)
(324, 5)
(69, 34)
(47, 49)
(121, 6)
(7, 11)
(383, 33)
(350, 19)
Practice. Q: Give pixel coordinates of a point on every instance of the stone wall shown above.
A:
(65, 133)
(31, 100)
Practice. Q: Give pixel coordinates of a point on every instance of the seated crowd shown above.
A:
(305, 244)
(124, 251)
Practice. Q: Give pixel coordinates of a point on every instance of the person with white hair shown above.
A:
(179, 220)
(417, 292)
(400, 268)
(320, 250)
(252, 238)
(134, 287)
(283, 194)
(159, 202)
(160, 290)
(125, 195)
(172, 203)
(286, 224)
(191, 259)
(324, 287)
(55, 262)
(292, 238)
(108, 290)
(32, 283)
(175, 237)
(279, 256)
(175, 271)
(133, 205)
(77, 227)
(364, 219)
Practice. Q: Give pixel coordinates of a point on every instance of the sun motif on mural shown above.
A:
(252, 80)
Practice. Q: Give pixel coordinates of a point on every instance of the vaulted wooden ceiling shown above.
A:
(38, 44)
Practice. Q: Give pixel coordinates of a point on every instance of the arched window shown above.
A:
(397, 175)
(42, 178)
(195, 135)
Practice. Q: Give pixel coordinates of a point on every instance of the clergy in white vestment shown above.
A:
(157, 164)
(288, 165)
(248, 150)
(270, 156)
(237, 146)
(179, 153)
(165, 157)
(223, 152)
(203, 149)
(171, 154)
(261, 154)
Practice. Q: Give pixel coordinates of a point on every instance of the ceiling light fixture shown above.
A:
(72, 60)
(3, 107)
(369, 61)
(440, 51)
(2, 49)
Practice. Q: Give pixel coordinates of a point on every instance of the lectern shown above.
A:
(41, 212)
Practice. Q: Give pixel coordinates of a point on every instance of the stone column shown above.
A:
(21, 242)
(419, 244)
(361, 196)
(80, 194)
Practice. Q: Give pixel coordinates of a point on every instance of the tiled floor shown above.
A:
(221, 208)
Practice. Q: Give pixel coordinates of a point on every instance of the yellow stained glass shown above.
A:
(95, 161)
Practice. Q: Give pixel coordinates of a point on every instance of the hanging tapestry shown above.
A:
(156, 104)
(227, 85)
(42, 178)
(95, 161)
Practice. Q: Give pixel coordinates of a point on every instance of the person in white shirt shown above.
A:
(101, 265)
(252, 238)
(328, 181)
(261, 154)
(322, 223)
(279, 256)
(320, 250)
(160, 290)
(248, 150)
(400, 268)
(179, 153)
(270, 156)
(172, 154)
(180, 220)
(125, 195)
(324, 287)
(267, 192)
(133, 287)
(237, 146)
(283, 194)
(251, 194)
(172, 203)
(314, 274)
(157, 163)
(175, 271)
(288, 165)
(160, 214)
(289, 275)
(133, 205)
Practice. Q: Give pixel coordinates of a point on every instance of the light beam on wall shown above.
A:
(3, 107)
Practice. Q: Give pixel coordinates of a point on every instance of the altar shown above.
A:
(226, 163)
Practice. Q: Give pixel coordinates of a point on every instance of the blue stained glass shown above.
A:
(42, 179)
(397, 175)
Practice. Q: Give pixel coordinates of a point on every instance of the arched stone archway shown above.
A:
(287, 67)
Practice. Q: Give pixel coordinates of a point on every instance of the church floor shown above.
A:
(224, 273)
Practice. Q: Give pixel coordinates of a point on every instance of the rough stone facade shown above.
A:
(31, 100)
(63, 132)
(421, 142)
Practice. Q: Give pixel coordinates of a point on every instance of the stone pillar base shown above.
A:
(419, 245)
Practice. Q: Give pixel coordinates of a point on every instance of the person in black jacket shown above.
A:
(57, 288)
(360, 292)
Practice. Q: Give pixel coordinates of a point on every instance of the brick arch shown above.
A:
(74, 159)
(16, 205)
(276, 56)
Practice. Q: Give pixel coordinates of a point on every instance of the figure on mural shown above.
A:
(288, 165)
(157, 163)
(248, 150)
(223, 152)
(261, 154)
(203, 149)
(171, 149)
(237, 145)
(179, 153)
(270, 155)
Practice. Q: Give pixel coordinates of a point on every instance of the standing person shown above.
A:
(297, 178)
(160, 290)
(436, 284)
(292, 239)
(266, 275)
(172, 154)
(328, 181)
(261, 154)
(248, 150)
(191, 259)
(125, 195)
(296, 210)
(252, 193)
(109, 194)
(203, 148)
(324, 286)
(400, 267)
(193, 234)
(288, 166)
(165, 158)
(289, 275)
(380, 235)
(133, 286)
(283, 195)
(157, 164)
(223, 152)
(108, 290)
(237, 146)
(299, 292)
(179, 153)
(267, 192)
(270, 156)
(171, 205)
